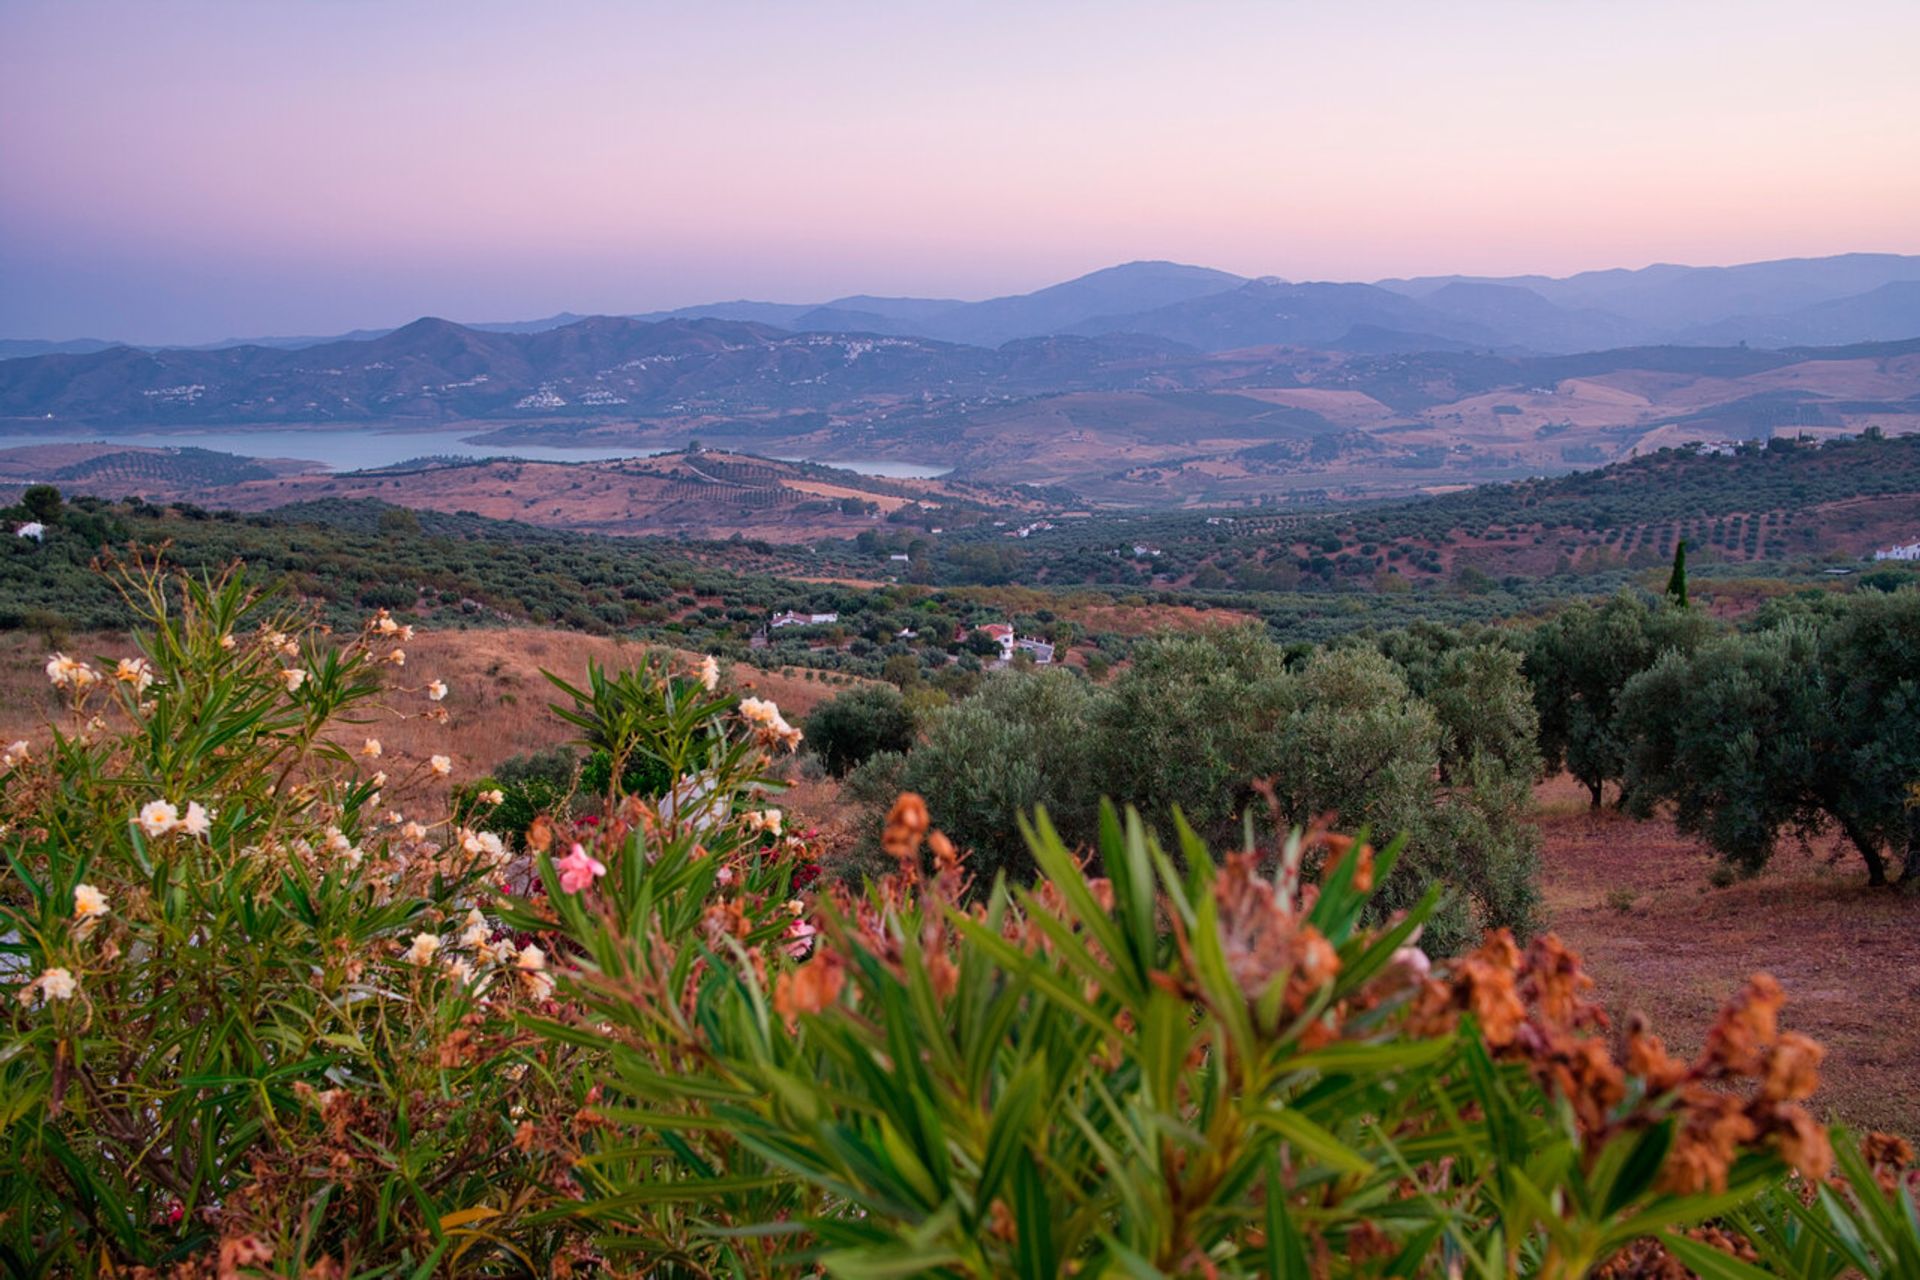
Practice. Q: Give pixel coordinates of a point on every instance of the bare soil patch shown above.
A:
(1635, 899)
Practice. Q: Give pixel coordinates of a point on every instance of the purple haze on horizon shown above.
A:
(197, 170)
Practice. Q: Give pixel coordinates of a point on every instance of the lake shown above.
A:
(358, 450)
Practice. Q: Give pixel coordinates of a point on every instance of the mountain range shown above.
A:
(1857, 297)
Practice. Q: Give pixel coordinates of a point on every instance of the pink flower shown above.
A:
(578, 870)
(802, 935)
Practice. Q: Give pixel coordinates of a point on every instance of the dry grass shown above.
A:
(496, 704)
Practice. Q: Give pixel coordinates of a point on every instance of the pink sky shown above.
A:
(187, 171)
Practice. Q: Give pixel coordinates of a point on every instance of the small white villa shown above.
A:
(792, 619)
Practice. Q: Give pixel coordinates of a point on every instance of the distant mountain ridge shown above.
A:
(1848, 298)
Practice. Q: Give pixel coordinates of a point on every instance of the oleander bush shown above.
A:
(269, 1012)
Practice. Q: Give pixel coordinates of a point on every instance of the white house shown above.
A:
(1909, 552)
(792, 619)
(32, 529)
(1002, 634)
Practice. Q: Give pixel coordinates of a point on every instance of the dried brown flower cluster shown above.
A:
(1533, 1009)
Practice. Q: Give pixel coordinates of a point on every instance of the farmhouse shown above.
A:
(792, 619)
(1911, 551)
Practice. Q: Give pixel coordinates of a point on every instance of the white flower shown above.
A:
(421, 952)
(767, 820)
(226, 641)
(442, 766)
(197, 821)
(398, 657)
(371, 748)
(293, 678)
(354, 853)
(157, 817)
(460, 971)
(16, 754)
(532, 964)
(709, 672)
(384, 624)
(406, 632)
(89, 903)
(68, 672)
(136, 672)
(477, 934)
(494, 796)
(53, 984)
(413, 831)
(337, 841)
(379, 778)
(436, 690)
(767, 715)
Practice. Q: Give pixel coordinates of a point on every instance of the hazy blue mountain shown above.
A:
(1062, 308)
(1527, 319)
(1280, 313)
(1886, 314)
(14, 348)
(1676, 299)
(1847, 298)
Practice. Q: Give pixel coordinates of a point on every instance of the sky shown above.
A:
(196, 170)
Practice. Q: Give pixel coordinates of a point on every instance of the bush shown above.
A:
(845, 731)
(1167, 1073)
(262, 1005)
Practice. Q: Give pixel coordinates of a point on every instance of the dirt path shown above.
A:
(1635, 899)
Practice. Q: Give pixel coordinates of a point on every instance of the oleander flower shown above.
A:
(67, 672)
(421, 952)
(198, 821)
(397, 656)
(371, 748)
(532, 964)
(477, 934)
(436, 690)
(293, 678)
(52, 984)
(767, 820)
(773, 726)
(578, 870)
(442, 766)
(709, 673)
(16, 754)
(136, 672)
(157, 817)
(227, 641)
(89, 904)
(493, 796)
(413, 831)
(460, 971)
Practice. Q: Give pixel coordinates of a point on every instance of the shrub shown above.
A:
(1166, 1072)
(846, 730)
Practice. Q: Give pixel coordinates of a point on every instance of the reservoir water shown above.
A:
(357, 450)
